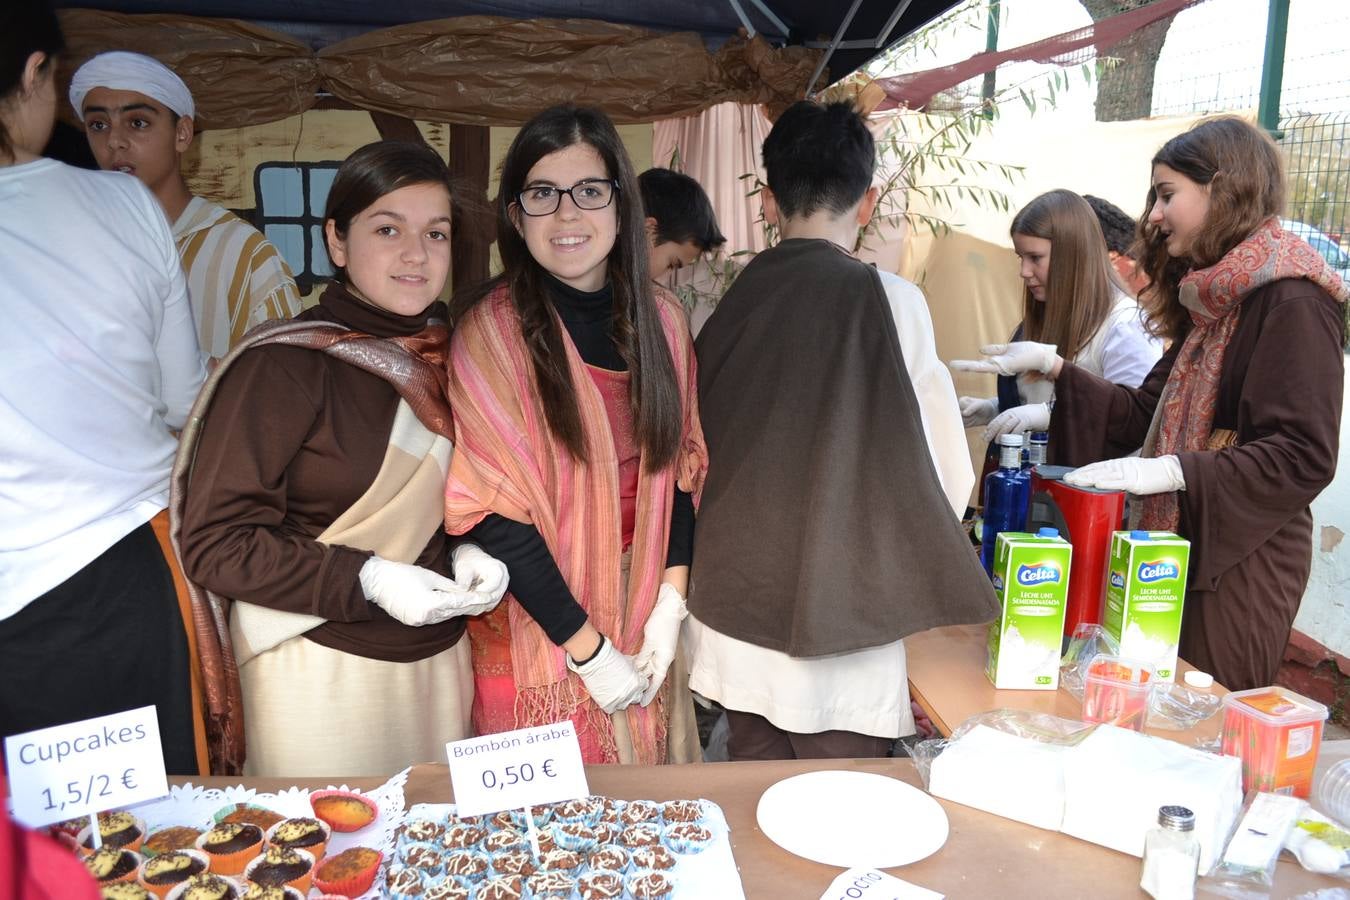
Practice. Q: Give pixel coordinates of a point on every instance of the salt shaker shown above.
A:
(1171, 856)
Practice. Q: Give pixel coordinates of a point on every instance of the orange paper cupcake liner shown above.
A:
(352, 886)
(338, 823)
(315, 850)
(230, 863)
(162, 890)
(86, 831)
(129, 876)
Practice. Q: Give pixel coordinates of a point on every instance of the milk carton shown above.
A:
(1145, 590)
(1031, 578)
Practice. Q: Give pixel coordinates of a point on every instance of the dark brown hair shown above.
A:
(26, 27)
(1081, 286)
(1241, 166)
(637, 332)
(376, 170)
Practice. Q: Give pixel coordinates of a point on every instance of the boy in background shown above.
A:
(680, 222)
(1118, 229)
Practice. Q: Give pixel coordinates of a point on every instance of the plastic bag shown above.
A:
(1087, 643)
(1252, 850)
(1320, 844)
(1178, 708)
(1023, 723)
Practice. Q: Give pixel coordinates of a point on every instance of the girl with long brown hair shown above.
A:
(1240, 419)
(578, 449)
(1071, 299)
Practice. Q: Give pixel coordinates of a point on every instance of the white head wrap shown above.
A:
(123, 71)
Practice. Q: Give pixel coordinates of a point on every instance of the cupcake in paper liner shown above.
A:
(688, 837)
(552, 886)
(599, 884)
(113, 865)
(585, 810)
(611, 857)
(230, 847)
(207, 886)
(461, 836)
(501, 887)
(404, 883)
(560, 860)
(673, 811)
(173, 837)
(540, 814)
(158, 874)
(653, 859)
(271, 892)
(247, 814)
(427, 859)
(513, 861)
(302, 833)
(420, 831)
(611, 808)
(472, 865)
(449, 889)
(649, 885)
(345, 811)
(503, 839)
(350, 872)
(607, 832)
(282, 867)
(120, 830)
(574, 835)
(640, 811)
(643, 834)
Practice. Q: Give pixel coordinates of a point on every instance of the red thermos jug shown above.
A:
(1085, 517)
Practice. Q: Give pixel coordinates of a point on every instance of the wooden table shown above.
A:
(946, 678)
(984, 856)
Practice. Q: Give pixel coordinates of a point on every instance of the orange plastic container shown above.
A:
(1277, 734)
(1116, 691)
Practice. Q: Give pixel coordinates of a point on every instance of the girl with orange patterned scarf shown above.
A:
(578, 453)
(1240, 420)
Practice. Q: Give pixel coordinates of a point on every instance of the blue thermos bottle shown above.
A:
(1007, 492)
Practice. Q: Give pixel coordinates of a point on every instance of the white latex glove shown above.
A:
(1031, 417)
(977, 411)
(475, 570)
(1133, 474)
(611, 679)
(659, 637)
(1011, 359)
(417, 596)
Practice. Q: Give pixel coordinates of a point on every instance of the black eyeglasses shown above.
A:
(544, 199)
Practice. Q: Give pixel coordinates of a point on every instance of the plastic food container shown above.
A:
(1277, 735)
(1115, 691)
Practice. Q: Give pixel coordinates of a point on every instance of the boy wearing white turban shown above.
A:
(138, 116)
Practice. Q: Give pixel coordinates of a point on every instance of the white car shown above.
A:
(1323, 244)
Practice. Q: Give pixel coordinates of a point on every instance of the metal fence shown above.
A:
(1317, 150)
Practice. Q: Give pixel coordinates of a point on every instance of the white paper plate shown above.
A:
(852, 819)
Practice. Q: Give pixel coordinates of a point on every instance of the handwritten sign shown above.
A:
(870, 884)
(515, 769)
(85, 767)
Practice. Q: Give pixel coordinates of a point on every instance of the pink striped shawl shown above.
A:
(507, 462)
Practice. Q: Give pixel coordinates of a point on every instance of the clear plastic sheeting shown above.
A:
(1040, 727)
(1176, 707)
(1087, 643)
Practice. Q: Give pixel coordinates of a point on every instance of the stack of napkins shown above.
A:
(1006, 775)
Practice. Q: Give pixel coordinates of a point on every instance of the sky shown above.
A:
(1211, 61)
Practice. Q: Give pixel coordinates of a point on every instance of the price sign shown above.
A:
(870, 884)
(516, 769)
(85, 767)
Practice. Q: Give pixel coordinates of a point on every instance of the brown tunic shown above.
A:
(294, 437)
(1245, 508)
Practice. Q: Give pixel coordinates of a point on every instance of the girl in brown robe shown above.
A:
(1240, 419)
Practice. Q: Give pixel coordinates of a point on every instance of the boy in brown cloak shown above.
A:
(828, 529)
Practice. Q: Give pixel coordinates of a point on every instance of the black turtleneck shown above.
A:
(535, 578)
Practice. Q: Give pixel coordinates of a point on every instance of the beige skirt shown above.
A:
(311, 711)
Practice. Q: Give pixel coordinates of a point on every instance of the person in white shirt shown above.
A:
(828, 528)
(100, 361)
(1072, 298)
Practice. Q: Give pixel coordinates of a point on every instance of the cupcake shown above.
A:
(206, 886)
(574, 835)
(606, 832)
(117, 829)
(158, 874)
(404, 881)
(561, 861)
(682, 811)
(425, 858)
(650, 886)
(230, 846)
(514, 861)
(70, 827)
(585, 810)
(109, 865)
(640, 811)
(247, 814)
(281, 866)
(175, 837)
(546, 840)
(552, 886)
(466, 864)
(611, 857)
(309, 835)
(645, 834)
(124, 890)
(460, 836)
(421, 831)
(688, 837)
(503, 819)
(502, 887)
(344, 810)
(657, 858)
(504, 839)
(448, 889)
(271, 892)
(598, 884)
(351, 872)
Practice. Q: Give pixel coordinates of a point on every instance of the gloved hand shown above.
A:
(475, 570)
(1031, 417)
(610, 678)
(977, 411)
(659, 637)
(1011, 359)
(1133, 474)
(417, 596)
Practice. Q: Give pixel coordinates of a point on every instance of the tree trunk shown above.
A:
(1125, 89)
